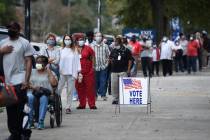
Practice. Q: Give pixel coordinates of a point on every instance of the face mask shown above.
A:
(164, 39)
(98, 39)
(39, 66)
(191, 38)
(81, 43)
(117, 47)
(67, 42)
(12, 34)
(51, 42)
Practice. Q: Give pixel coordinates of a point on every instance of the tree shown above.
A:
(7, 11)
(157, 13)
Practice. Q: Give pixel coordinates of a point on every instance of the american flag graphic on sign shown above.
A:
(132, 84)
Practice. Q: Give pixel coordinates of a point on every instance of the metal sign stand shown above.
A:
(149, 101)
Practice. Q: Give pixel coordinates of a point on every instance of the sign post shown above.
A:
(134, 91)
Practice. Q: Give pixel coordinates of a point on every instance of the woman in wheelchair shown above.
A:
(42, 82)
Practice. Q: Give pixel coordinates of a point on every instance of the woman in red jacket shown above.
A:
(85, 84)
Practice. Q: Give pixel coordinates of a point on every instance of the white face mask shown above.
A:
(81, 43)
(98, 39)
(39, 66)
(117, 47)
(191, 38)
(165, 39)
(67, 42)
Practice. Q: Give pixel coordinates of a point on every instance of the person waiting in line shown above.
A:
(136, 49)
(69, 66)
(192, 54)
(101, 65)
(200, 52)
(52, 53)
(146, 56)
(121, 61)
(155, 59)
(42, 80)
(183, 43)
(85, 84)
(166, 54)
(178, 56)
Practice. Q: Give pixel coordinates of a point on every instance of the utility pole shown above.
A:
(28, 19)
(69, 23)
(99, 16)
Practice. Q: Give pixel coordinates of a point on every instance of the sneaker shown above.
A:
(104, 98)
(115, 102)
(40, 125)
(80, 107)
(93, 107)
(68, 111)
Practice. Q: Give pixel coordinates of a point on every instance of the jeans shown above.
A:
(43, 103)
(155, 65)
(134, 68)
(191, 63)
(178, 61)
(101, 82)
(167, 67)
(146, 65)
(15, 116)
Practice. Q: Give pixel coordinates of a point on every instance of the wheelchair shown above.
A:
(54, 109)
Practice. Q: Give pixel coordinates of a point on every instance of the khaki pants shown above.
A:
(115, 84)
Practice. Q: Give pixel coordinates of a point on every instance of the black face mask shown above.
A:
(13, 34)
(133, 40)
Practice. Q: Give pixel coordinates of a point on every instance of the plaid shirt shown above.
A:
(102, 55)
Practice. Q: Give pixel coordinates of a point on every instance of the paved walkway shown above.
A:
(180, 111)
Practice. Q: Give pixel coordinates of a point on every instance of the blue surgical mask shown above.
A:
(81, 43)
(51, 42)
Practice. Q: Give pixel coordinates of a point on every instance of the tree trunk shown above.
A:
(158, 17)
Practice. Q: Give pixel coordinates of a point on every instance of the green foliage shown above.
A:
(7, 11)
(139, 13)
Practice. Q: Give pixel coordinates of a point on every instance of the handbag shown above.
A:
(8, 95)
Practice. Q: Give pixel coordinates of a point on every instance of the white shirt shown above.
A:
(166, 50)
(69, 62)
(154, 55)
(14, 62)
(184, 46)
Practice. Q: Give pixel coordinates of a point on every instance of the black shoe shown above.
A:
(115, 102)
(80, 107)
(93, 107)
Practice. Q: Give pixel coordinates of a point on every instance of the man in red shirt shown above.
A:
(136, 49)
(192, 53)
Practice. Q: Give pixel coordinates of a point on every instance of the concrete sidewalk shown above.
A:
(180, 111)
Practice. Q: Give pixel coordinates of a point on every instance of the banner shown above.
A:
(129, 32)
(133, 91)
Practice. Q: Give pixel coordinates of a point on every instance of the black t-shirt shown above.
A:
(119, 59)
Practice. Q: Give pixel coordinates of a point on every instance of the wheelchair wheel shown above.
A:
(58, 110)
(52, 120)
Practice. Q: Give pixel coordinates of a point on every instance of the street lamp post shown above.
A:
(69, 22)
(28, 19)
(99, 16)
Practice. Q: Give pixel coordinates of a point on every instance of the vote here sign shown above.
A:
(133, 90)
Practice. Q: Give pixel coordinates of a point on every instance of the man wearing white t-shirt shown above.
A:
(17, 64)
(166, 54)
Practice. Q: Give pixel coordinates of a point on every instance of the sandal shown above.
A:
(68, 111)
